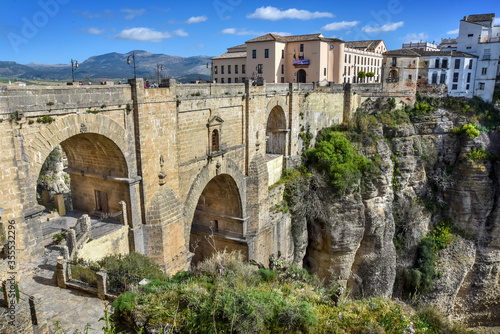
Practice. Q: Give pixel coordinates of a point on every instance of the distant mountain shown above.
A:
(113, 66)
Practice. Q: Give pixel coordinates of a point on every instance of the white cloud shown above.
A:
(181, 33)
(340, 25)
(415, 37)
(274, 14)
(196, 19)
(385, 28)
(132, 13)
(90, 15)
(453, 32)
(244, 32)
(94, 31)
(148, 35)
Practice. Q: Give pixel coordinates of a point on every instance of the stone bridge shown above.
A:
(190, 165)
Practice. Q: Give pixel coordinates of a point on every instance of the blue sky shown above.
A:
(54, 31)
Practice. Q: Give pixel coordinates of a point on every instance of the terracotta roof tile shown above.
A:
(480, 17)
(229, 55)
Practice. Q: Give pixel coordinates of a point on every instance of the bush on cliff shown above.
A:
(338, 159)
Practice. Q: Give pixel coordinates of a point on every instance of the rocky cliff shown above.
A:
(436, 179)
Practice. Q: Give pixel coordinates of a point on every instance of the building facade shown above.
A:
(478, 36)
(299, 59)
(363, 56)
(424, 46)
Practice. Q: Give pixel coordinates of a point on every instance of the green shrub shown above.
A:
(45, 119)
(478, 154)
(58, 238)
(125, 302)
(338, 159)
(470, 130)
(93, 111)
(419, 280)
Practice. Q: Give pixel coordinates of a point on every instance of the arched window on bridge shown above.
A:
(215, 141)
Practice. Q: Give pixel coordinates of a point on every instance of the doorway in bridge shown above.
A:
(85, 174)
(276, 132)
(301, 76)
(218, 223)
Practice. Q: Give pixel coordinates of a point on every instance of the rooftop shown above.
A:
(365, 45)
(480, 17)
(402, 52)
(296, 38)
(451, 53)
(229, 55)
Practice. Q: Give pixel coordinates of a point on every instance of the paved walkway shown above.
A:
(73, 309)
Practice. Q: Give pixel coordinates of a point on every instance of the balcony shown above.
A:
(298, 62)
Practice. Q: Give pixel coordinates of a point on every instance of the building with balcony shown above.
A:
(400, 70)
(478, 36)
(301, 58)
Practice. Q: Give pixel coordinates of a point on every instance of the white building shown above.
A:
(424, 46)
(479, 37)
(455, 69)
(363, 56)
(448, 44)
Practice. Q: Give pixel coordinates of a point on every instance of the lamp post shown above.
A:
(159, 68)
(74, 66)
(128, 62)
(211, 71)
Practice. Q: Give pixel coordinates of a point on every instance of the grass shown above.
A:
(224, 295)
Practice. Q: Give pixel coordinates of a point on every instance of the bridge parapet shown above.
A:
(38, 101)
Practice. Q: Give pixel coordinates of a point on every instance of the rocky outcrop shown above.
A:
(368, 238)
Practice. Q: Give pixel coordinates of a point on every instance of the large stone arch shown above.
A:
(68, 126)
(223, 170)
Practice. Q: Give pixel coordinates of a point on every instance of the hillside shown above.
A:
(113, 66)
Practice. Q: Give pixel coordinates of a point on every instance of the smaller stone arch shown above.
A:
(276, 131)
(393, 76)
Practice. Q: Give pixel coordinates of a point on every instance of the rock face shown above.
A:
(366, 239)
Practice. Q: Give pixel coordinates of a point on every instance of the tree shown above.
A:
(361, 75)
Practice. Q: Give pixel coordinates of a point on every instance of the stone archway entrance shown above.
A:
(218, 222)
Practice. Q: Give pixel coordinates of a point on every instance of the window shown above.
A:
(470, 35)
(409, 76)
(266, 53)
(324, 71)
(349, 59)
(481, 85)
(345, 58)
(394, 61)
(470, 64)
(457, 64)
(222, 69)
(243, 69)
(487, 54)
(468, 77)
(301, 47)
(259, 69)
(467, 87)
(454, 87)
(254, 54)
(282, 80)
(236, 69)
(434, 78)
(235, 80)
(468, 48)
(436, 65)
(282, 69)
(455, 77)
(215, 80)
(426, 63)
(215, 141)
(228, 69)
(443, 78)
(282, 54)
(221, 80)
(215, 70)
(444, 64)
(483, 70)
(228, 80)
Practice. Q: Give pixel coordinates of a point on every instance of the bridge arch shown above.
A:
(215, 207)
(98, 161)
